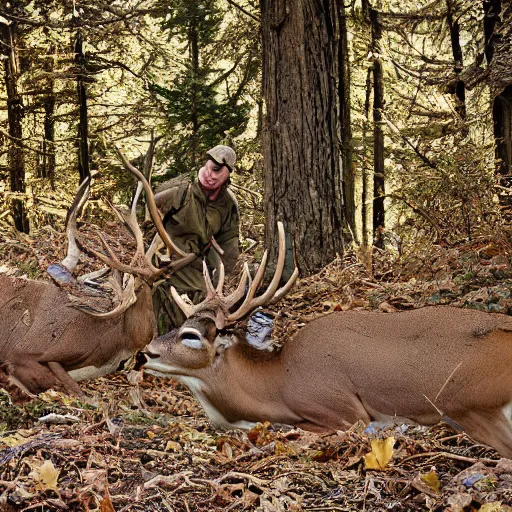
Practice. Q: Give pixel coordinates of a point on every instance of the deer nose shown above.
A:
(140, 359)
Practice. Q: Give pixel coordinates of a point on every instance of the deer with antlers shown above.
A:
(45, 343)
(416, 366)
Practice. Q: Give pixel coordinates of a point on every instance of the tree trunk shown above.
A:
(48, 158)
(379, 184)
(502, 117)
(194, 55)
(302, 155)
(492, 10)
(460, 88)
(495, 11)
(16, 160)
(83, 129)
(346, 125)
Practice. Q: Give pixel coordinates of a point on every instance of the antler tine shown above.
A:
(286, 288)
(132, 223)
(73, 252)
(220, 282)
(252, 303)
(113, 262)
(254, 284)
(211, 292)
(188, 309)
(126, 295)
(235, 296)
(130, 220)
(153, 210)
(210, 289)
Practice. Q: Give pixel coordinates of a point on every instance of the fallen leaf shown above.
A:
(495, 506)
(46, 476)
(106, 503)
(20, 437)
(432, 480)
(381, 454)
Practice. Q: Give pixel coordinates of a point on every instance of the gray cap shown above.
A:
(223, 155)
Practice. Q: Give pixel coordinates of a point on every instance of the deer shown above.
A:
(418, 366)
(46, 343)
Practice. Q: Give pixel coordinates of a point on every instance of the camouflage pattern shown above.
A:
(191, 220)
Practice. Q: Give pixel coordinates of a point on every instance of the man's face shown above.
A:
(213, 176)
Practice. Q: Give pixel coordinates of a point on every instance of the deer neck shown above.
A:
(241, 386)
(139, 323)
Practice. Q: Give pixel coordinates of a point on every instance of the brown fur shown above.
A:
(362, 365)
(42, 337)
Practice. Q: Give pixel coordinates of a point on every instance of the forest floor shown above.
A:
(141, 443)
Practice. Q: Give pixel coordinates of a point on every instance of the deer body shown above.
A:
(40, 332)
(421, 365)
(357, 365)
(45, 343)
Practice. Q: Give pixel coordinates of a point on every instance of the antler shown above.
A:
(250, 302)
(141, 264)
(73, 253)
(272, 293)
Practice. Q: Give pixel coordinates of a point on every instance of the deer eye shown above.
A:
(194, 343)
(192, 338)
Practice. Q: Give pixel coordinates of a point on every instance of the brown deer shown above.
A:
(45, 343)
(419, 366)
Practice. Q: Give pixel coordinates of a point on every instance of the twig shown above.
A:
(247, 13)
(234, 474)
(248, 190)
(448, 455)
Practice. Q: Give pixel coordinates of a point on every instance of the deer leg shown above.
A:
(69, 385)
(489, 427)
(32, 376)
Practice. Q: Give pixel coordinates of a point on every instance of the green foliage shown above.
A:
(185, 17)
(200, 109)
(198, 119)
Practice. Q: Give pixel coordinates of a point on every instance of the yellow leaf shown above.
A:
(381, 454)
(16, 439)
(495, 506)
(46, 476)
(432, 480)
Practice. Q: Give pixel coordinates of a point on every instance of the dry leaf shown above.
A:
(106, 503)
(20, 437)
(381, 454)
(432, 480)
(495, 506)
(173, 446)
(46, 476)
(427, 483)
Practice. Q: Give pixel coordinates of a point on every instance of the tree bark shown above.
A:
(15, 156)
(303, 177)
(346, 124)
(495, 11)
(47, 170)
(83, 128)
(379, 183)
(460, 88)
(194, 55)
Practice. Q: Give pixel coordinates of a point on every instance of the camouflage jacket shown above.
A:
(191, 219)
